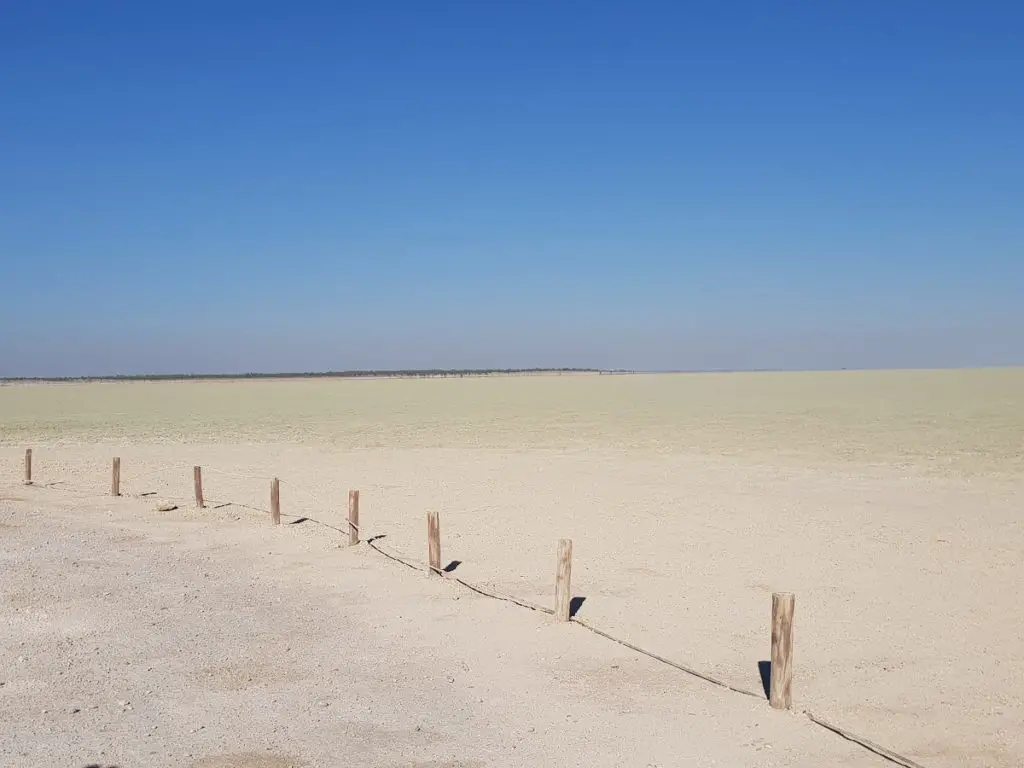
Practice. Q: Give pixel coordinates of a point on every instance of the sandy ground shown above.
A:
(136, 638)
(888, 502)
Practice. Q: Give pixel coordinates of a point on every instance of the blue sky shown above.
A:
(228, 186)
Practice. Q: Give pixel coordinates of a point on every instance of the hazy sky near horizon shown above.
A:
(260, 186)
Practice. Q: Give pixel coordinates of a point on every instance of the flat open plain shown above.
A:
(890, 503)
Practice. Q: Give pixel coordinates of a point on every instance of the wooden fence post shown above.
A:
(28, 466)
(434, 542)
(780, 694)
(275, 501)
(197, 481)
(115, 477)
(563, 580)
(353, 518)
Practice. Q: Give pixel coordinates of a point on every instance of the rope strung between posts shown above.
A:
(525, 604)
(881, 751)
(372, 543)
(877, 749)
(867, 744)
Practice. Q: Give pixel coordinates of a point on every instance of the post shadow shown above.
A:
(765, 668)
(575, 604)
(452, 566)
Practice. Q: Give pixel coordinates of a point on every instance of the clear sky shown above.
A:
(228, 186)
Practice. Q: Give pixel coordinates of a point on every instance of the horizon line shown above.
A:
(354, 373)
(462, 372)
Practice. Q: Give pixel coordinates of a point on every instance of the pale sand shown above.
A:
(890, 503)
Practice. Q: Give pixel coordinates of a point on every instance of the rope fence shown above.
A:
(780, 678)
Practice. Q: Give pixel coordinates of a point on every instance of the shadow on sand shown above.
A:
(765, 668)
(575, 604)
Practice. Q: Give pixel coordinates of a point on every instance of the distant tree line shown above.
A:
(391, 374)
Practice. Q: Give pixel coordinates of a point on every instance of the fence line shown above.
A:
(780, 694)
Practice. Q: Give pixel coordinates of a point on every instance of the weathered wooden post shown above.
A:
(780, 689)
(275, 501)
(434, 543)
(563, 580)
(115, 477)
(197, 481)
(28, 466)
(353, 518)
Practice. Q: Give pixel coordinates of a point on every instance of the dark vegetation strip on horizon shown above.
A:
(409, 373)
